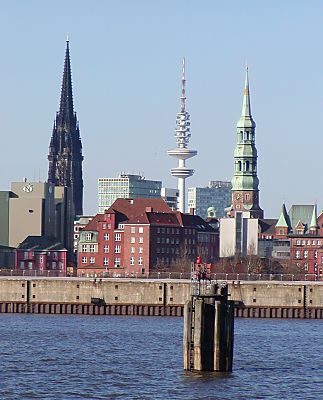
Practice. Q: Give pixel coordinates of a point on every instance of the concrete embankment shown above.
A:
(265, 299)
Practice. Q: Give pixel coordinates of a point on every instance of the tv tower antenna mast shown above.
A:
(181, 152)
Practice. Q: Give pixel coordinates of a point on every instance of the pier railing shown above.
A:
(171, 275)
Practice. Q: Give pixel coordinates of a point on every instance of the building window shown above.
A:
(306, 267)
(315, 254)
(298, 254)
(54, 265)
(117, 237)
(140, 250)
(132, 229)
(84, 260)
(247, 196)
(132, 261)
(84, 247)
(132, 240)
(117, 249)
(22, 265)
(92, 260)
(158, 240)
(141, 239)
(141, 229)
(106, 236)
(313, 242)
(158, 230)
(88, 236)
(117, 262)
(298, 242)
(92, 248)
(305, 253)
(109, 226)
(105, 261)
(140, 261)
(104, 226)
(41, 259)
(121, 226)
(26, 254)
(132, 250)
(106, 249)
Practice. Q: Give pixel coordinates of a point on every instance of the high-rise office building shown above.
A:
(125, 186)
(211, 200)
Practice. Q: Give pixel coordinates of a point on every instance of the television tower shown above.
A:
(182, 153)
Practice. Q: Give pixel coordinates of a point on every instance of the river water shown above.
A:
(93, 357)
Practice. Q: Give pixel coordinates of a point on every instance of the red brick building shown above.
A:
(138, 236)
(42, 254)
(305, 231)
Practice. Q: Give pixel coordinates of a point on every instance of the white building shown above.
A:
(239, 235)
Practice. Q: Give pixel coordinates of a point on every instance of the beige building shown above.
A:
(31, 211)
(36, 209)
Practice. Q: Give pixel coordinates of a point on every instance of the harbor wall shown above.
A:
(154, 297)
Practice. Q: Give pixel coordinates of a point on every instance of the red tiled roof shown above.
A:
(133, 207)
(93, 224)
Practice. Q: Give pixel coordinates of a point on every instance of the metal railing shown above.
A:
(221, 276)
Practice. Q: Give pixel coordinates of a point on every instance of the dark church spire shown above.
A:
(66, 104)
(65, 150)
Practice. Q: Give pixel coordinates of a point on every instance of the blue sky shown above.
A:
(126, 61)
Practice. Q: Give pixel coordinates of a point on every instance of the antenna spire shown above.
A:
(183, 98)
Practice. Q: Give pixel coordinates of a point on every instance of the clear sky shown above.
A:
(126, 61)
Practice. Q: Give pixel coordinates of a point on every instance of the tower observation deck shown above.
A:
(181, 152)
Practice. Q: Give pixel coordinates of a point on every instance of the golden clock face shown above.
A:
(238, 196)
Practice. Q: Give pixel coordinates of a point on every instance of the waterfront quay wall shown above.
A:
(113, 296)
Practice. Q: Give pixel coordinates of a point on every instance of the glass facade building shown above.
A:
(215, 198)
(125, 186)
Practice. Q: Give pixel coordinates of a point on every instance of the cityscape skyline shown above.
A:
(114, 71)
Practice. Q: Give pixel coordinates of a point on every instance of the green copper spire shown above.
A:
(246, 120)
(283, 219)
(314, 219)
(245, 180)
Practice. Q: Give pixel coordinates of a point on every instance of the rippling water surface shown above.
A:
(92, 357)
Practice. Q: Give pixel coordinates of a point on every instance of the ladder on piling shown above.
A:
(191, 342)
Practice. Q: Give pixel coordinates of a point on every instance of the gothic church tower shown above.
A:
(245, 192)
(65, 149)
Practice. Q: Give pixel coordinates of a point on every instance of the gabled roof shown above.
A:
(301, 213)
(41, 243)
